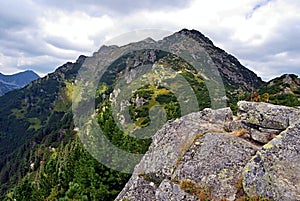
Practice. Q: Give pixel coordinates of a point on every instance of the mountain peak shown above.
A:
(196, 35)
(38, 131)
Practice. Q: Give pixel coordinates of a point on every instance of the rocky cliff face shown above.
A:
(230, 68)
(214, 155)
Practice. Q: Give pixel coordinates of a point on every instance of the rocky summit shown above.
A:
(214, 155)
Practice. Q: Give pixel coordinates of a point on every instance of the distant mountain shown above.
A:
(41, 154)
(16, 81)
(283, 90)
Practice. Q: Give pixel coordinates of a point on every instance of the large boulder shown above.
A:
(215, 162)
(170, 144)
(274, 172)
(138, 188)
(213, 155)
(172, 141)
(266, 115)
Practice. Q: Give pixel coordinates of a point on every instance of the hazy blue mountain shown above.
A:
(16, 81)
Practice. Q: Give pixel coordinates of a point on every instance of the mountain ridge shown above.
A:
(42, 156)
(16, 81)
(213, 155)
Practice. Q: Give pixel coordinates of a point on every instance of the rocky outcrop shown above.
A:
(274, 171)
(213, 154)
(215, 162)
(268, 116)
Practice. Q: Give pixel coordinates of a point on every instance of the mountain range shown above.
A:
(16, 81)
(45, 156)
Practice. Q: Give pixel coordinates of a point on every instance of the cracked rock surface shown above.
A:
(213, 154)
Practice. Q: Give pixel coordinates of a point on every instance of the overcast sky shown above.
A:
(44, 34)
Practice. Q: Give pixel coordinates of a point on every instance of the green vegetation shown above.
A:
(192, 188)
(42, 157)
(150, 96)
(278, 92)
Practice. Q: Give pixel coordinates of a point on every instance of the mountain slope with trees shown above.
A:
(42, 157)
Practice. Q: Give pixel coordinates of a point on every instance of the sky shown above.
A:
(41, 35)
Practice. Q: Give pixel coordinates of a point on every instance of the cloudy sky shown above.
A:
(42, 35)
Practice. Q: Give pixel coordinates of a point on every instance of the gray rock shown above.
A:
(274, 171)
(138, 189)
(201, 151)
(235, 125)
(217, 116)
(267, 115)
(262, 135)
(172, 141)
(169, 144)
(169, 191)
(216, 161)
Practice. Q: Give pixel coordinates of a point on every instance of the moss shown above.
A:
(253, 120)
(126, 199)
(268, 146)
(178, 161)
(152, 178)
(175, 180)
(203, 193)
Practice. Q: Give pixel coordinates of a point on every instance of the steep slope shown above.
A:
(16, 81)
(42, 156)
(233, 73)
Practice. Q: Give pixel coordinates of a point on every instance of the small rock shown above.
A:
(171, 191)
(261, 137)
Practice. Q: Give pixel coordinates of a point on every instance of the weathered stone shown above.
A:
(138, 189)
(208, 151)
(171, 143)
(217, 116)
(267, 115)
(169, 191)
(216, 163)
(274, 171)
(235, 125)
(263, 135)
(175, 137)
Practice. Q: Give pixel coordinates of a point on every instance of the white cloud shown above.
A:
(261, 33)
(75, 28)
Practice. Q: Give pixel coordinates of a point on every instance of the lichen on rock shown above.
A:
(274, 171)
(213, 155)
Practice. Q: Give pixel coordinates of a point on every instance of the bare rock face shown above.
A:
(215, 161)
(171, 143)
(267, 115)
(213, 155)
(172, 191)
(138, 188)
(274, 171)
